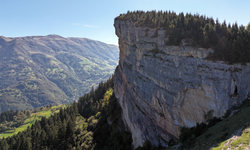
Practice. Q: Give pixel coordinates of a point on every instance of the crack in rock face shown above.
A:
(162, 88)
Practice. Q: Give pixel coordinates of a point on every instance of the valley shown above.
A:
(35, 115)
(181, 81)
(38, 70)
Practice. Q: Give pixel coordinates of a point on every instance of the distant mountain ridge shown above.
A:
(38, 70)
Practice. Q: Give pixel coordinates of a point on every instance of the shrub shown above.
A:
(146, 146)
(171, 142)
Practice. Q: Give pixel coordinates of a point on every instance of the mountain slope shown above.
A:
(101, 128)
(38, 70)
(230, 133)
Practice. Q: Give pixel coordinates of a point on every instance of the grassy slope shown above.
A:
(31, 120)
(41, 70)
(229, 126)
(216, 137)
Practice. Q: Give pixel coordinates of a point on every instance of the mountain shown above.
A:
(90, 124)
(165, 80)
(39, 70)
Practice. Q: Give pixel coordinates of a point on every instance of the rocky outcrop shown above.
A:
(161, 88)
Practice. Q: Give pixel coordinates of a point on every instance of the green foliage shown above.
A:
(117, 141)
(243, 141)
(28, 113)
(217, 131)
(56, 131)
(96, 100)
(230, 43)
(171, 142)
(188, 135)
(68, 130)
(97, 115)
(9, 120)
(8, 115)
(98, 106)
(146, 146)
(209, 115)
(20, 124)
(248, 27)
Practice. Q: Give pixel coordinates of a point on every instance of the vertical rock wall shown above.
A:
(161, 88)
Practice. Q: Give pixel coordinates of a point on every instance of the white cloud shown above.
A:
(85, 25)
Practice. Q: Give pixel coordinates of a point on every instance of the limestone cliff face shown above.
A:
(161, 88)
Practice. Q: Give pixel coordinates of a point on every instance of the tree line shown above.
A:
(10, 120)
(230, 42)
(68, 129)
(55, 132)
(99, 106)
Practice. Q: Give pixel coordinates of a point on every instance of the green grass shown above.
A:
(239, 120)
(220, 146)
(52, 62)
(56, 73)
(244, 141)
(84, 61)
(32, 76)
(31, 85)
(31, 120)
(216, 136)
(63, 75)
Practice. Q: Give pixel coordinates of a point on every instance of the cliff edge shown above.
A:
(161, 88)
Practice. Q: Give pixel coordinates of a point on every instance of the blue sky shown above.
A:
(94, 18)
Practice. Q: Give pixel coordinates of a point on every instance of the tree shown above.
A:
(41, 108)
(28, 113)
(248, 27)
(70, 133)
(15, 118)
(3, 119)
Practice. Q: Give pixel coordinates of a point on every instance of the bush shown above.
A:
(97, 115)
(171, 142)
(185, 134)
(146, 146)
(188, 135)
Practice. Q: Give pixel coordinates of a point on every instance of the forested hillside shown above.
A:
(92, 123)
(230, 41)
(14, 122)
(38, 70)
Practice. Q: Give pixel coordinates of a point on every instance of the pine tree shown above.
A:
(248, 27)
(70, 133)
(28, 113)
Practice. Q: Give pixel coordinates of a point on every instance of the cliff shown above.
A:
(161, 88)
